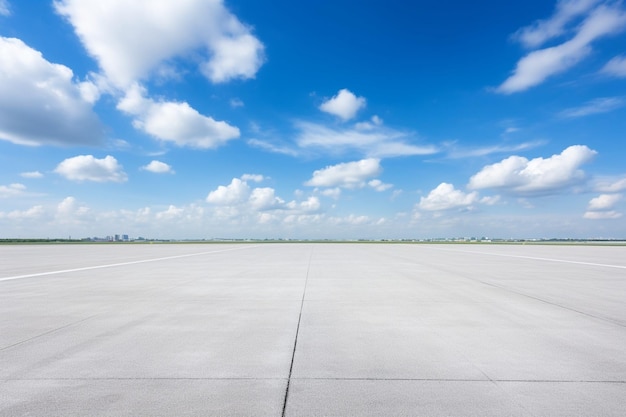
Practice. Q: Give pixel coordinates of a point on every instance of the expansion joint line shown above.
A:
(295, 341)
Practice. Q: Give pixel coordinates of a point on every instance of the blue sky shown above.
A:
(326, 119)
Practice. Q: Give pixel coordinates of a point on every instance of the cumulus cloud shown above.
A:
(375, 142)
(543, 30)
(236, 192)
(175, 122)
(446, 197)
(519, 175)
(616, 67)
(31, 174)
(12, 190)
(238, 201)
(347, 174)
(34, 212)
(344, 105)
(378, 185)
(70, 208)
(596, 106)
(264, 199)
(134, 40)
(604, 202)
(158, 167)
(538, 65)
(89, 168)
(40, 103)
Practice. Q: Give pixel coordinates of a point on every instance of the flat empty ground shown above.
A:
(312, 330)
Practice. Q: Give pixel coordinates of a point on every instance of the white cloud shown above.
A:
(238, 203)
(334, 193)
(236, 192)
(70, 209)
(252, 177)
(12, 190)
(34, 212)
(610, 185)
(538, 65)
(490, 200)
(596, 106)
(175, 122)
(456, 152)
(615, 67)
(369, 125)
(40, 103)
(4, 8)
(264, 199)
(446, 197)
(375, 142)
(519, 175)
(88, 168)
(171, 212)
(158, 167)
(604, 202)
(602, 215)
(137, 39)
(378, 185)
(270, 147)
(32, 174)
(347, 174)
(344, 105)
(543, 30)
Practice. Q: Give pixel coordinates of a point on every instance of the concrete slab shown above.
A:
(382, 329)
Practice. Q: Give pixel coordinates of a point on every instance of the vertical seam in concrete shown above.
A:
(295, 341)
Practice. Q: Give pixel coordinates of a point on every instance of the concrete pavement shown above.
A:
(312, 330)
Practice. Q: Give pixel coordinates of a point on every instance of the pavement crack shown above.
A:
(47, 333)
(295, 342)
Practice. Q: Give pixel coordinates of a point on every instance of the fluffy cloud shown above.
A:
(543, 30)
(264, 199)
(12, 190)
(519, 175)
(88, 168)
(378, 185)
(344, 105)
(238, 201)
(604, 202)
(70, 209)
(347, 174)
(236, 192)
(34, 212)
(599, 105)
(538, 65)
(375, 142)
(446, 197)
(175, 121)
(616, 67)
(40, 103)
(158, 167)
(134, 40)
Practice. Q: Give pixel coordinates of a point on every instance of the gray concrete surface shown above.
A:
(312, 330)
